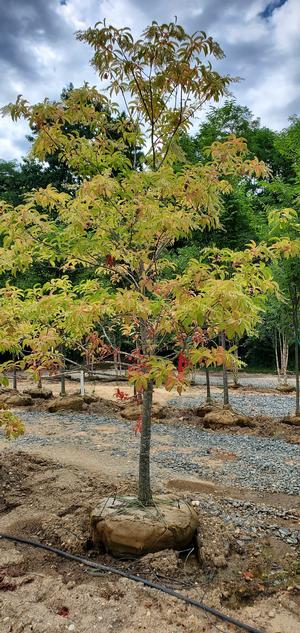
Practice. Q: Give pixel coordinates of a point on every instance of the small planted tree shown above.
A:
(120, 222)
(285, 233)
(11, 324)
(277, 327)
(35, 325)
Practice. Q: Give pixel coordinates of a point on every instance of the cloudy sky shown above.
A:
(39, 54)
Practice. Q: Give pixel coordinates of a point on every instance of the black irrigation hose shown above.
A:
(125, 574)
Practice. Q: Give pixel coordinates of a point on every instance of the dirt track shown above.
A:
(50, 501)
(61, 471)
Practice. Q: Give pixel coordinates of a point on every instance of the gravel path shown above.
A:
(272, 405)
(256, 518)
(259, 463)
(246, 380)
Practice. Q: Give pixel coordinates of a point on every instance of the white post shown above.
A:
(82, 382)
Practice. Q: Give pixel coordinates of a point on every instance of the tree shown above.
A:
(232, 118)
(285, 231)
(12, 425)
(244, 216)
(282, 205)
(120, 222)
(277, 326)
(17, 179)
(37, 321)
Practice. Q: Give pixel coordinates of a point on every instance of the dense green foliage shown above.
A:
(243, 217)
(122, 221)
(129, 222)
(246, 209)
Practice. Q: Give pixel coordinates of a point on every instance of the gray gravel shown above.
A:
(256, 519)
(245, 379)
(272, 405)
(259, 463)
(262, 464)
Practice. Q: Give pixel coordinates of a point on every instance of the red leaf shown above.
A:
(110, 260)
(63, 612)
(121, 395)
(183, 362)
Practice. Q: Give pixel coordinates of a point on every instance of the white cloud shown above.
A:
(13, 142)
(274, 90)
(39, 54)
(286, 24)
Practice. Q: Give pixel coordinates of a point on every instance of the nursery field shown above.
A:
(242, 480)
(149, 254)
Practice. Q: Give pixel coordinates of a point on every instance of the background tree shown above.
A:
(285, 231)
(246, 209)
(17, 179)
(243, 215)
(122, 222)
(283, 194)
(277, 326)
(232, 118)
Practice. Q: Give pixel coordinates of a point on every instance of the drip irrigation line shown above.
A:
(139, 579)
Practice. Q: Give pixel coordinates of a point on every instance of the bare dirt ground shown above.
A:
(40, 593)
(47, 489)
(100, 389)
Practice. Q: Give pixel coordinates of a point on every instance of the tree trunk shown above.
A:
(235, 369)
(295, 297)
(62, 382)
(120, 363)
(280, 352)
(62, 374)
(285, 357)
(225, 386)
(14, 380)
(192, 376)
(276, 356)
(281, 349)
(40, 385)
(296, 326)
(116, 368)
(144, 494)
(225, 374)
(297, 377)
(82, 386)
(208, 393)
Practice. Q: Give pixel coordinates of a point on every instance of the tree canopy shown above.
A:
(136, 193)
